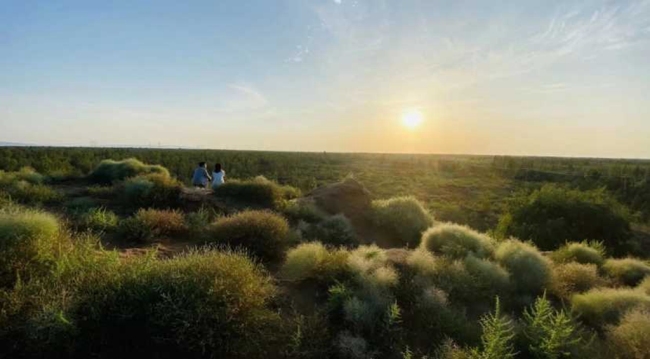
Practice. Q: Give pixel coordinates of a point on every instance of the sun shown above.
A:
(412, 119)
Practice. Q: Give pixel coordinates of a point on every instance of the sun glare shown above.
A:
(412, 119)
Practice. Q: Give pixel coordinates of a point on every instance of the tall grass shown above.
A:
(599, 307)
(626, 271)
(257, 191)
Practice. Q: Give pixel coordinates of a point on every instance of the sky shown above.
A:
(560, 78)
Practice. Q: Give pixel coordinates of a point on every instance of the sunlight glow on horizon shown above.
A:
(411, 119)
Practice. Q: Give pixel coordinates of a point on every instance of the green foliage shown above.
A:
(626, 271)
(315, 261)
(529, 270)
(149, 224)
(27, 186)
(497, 337)
(629, 339)
(583, 252)
(550, 333)
(152, 190)
(334, 230)
(28, 240)
(599, 307)
(404, 217)
(111, 171)
(97, 219)
(488, 279)
(457, 241)
(257, 191)
(552, 215)
(297, 210)
(570, 278)
(263, 234)
(201, 302)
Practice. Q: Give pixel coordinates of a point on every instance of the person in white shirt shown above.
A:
(218, 176)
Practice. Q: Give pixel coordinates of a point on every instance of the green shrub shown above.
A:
(258, 191)
(147, 224)
(456, 241)
(297, 210)
(80, 204)
(194, 304)
(98, 219)
(335, 230)
(644, 286)
(626, 271)
(111, 171)
(529, 270)
(570, 278)
(489, 279)
(26, 174)
(197, 222)
(314, 261)
(629, 339)
(153, 190)
(552, 215)
(27, 186)
(584, 252)
(549, 333)
(497, 338)
(28, 240)
(404, 217)
(599, 307)
(262, 233)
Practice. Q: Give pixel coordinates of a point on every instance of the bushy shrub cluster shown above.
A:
(148, 224)
(263, 234)
(302, 210)
(457, 241)
(201, 304)
(334, 230)
(257, 191)
(626, 271)
(313, 261)
(530, 271)
(629, 338)
(571, 278)
(552, 215)
(153, 190)
(28, 241)
(599, 307)
(583, 252)
(111, 171)
(96, 219)
(27, 186)
(404, 217)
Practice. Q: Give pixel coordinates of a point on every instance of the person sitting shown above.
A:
(201, 178)
(218, 176)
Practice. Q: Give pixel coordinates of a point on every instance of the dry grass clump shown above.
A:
(599, 307)
(583, 252)
(404, 217)
(626, 271)
(457, 241)
(314, 261)
(263, 234)
(151, 190)
(257, 191)
(97, 219)
(571, 278)
(644, 286)
(629, 339)
(150, 223)
(110, 171)
(28, 240)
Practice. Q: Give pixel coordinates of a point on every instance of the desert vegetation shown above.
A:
(121, 258)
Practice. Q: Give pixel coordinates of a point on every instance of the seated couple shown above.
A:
(201, 177)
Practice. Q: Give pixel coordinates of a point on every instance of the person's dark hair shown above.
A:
(201, 164)
(217, 167)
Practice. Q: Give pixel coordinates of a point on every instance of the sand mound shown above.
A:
(348, 197)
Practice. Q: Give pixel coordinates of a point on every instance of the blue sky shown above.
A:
(489, 77)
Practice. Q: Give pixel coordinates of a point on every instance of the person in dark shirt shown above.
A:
(201, 177)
